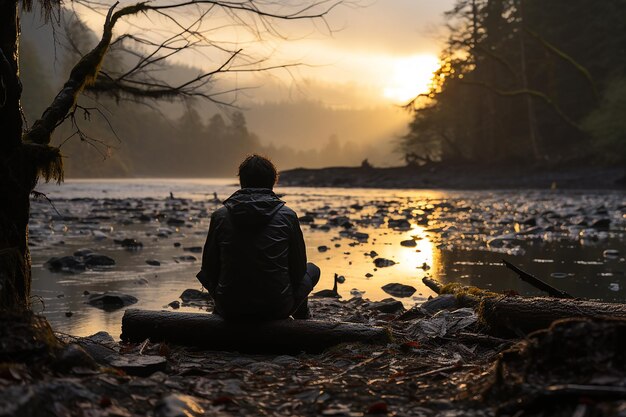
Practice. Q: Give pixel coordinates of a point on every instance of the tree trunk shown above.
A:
(17, 177)
(212, 332)
(518, 314)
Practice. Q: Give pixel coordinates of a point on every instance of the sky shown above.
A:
(381, 51)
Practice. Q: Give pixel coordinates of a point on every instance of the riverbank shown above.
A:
(462, 177)
(442, 361)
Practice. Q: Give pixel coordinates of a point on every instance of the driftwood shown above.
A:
(536, 282)
(212, 332)
(525, 315)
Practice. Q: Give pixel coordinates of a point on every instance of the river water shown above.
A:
(574, 240)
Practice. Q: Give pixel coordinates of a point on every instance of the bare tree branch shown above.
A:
(139, 80)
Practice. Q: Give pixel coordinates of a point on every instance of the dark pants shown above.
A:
(298, 309)
(301, 294)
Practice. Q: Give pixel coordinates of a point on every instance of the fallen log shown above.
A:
(518, 314)
(210, 331)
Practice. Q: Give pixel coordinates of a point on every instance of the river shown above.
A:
(575, 240)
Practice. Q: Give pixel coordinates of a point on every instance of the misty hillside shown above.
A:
(119, 138)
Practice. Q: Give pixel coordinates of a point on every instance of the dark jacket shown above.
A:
(254, 256)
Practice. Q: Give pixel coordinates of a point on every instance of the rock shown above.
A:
(153, 262)
(388, 305)
(601, 224)
(129, 243)
(175, 304)
(400, 224)
(111, 300)
(356, 293)
(65, 264)
(83, 252)
(96, 259)
(175, 222)
(193, 249)
(399, 290)
(73, 356)
(558, 275)
(382, 262)
(409, 243)
(186, 258)
(307, 218)
(441, 302)
(178, 405)
(369, 275)
(341, 279)
(100, 346)
(139, 365)
(322, 248)
(611, 253)
(190, 295)
(177, 244)
(102, 338)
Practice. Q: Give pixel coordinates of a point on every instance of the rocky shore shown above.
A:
(442, 361)
(467, 177)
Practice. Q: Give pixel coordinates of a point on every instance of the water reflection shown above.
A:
(459, 236)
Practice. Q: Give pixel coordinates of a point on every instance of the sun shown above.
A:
(410, 76)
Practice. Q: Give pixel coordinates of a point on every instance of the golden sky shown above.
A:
(382, 52)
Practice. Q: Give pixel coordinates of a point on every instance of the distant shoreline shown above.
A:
(465, 177)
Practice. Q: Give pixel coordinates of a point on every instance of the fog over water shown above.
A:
(458, 236)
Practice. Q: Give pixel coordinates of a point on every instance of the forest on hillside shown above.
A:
(533, 81)
(118, 137)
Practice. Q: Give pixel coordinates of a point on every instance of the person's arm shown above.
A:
(297, 254)
(210, 272)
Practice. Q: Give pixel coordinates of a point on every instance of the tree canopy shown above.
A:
(526, 81)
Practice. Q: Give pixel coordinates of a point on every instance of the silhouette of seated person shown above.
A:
(254, 261)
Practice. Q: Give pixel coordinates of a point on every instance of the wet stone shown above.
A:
(611, 253)
(153, 262)
(129, 243)
(65, 264)
(322, 248)
(186, 258)
(399, 290)
(409, 243)
(307, 218)
(111, 300)
(382, 262)
(601, 224)
(96, 259)
(175, 222)
(193, 249)
(174, 304)
(190, 295)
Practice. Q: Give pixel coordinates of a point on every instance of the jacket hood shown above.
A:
(253, 207)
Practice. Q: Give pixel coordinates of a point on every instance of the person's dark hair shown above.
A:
(256, 171)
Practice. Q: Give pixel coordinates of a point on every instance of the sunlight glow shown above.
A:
(411, 76)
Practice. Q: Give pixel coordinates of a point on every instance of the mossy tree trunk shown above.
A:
(17, 176)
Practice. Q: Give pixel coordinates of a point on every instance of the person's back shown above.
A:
(254, 261)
